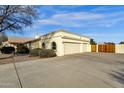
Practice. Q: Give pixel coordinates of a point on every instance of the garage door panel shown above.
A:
(85, 47)
(71, 48)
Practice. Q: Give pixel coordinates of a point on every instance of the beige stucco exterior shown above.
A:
(119, 48)
(35, 44)
(63, 39)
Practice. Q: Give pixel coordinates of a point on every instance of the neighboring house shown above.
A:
(63, 42)
(15, 41)
(35, 43)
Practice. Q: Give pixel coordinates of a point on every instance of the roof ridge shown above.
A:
(62, 30)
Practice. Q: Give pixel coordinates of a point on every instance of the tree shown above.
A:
(3, 38)
(122, 42)
(92, 42)
(16, 17)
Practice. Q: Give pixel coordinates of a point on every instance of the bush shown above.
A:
(7, 50)
(44, 53)
(35, 52)
(22, 50)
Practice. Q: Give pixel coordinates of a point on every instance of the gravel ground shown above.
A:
(5, 58)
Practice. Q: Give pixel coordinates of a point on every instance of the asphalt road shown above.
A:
(87, 70)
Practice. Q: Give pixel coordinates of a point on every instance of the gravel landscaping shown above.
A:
(5, 58)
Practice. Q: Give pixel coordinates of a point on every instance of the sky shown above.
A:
(102, 23)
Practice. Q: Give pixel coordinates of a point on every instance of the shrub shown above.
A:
(122, 42)
(35, 52)
(44, 53)
(22, 50)
(7, 50)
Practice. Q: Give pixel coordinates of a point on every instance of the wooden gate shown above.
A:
(93, 48)
(109, 48)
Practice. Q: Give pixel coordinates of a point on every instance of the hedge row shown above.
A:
(35, 52)
(22, 50)
(10, 50)
(7, 50)
(42, 52)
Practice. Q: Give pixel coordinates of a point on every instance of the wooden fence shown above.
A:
(93, 48)
(108, 48)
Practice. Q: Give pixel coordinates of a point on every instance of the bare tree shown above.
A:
(16, 17)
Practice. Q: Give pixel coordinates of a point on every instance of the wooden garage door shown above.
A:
(71, 48)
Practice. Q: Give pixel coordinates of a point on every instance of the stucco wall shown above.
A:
(66, 34)
(119, 48)
(69, 40)
(53, 38)
(89, 48)
(36, 44)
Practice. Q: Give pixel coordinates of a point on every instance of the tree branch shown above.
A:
(8, 27)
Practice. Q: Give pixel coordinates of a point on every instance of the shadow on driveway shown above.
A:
(118, 75)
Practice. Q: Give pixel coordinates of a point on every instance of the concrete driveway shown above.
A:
(88, 70)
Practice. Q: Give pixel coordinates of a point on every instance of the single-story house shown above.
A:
(15, 41)
(63, 42)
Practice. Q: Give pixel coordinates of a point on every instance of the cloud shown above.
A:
(48, 21)
(84, 19)
(72, 19)
(78, 16)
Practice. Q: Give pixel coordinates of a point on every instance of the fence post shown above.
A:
(97, 48)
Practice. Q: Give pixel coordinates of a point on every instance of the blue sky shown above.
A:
(102, 23)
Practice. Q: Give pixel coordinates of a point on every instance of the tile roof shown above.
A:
(18, 39)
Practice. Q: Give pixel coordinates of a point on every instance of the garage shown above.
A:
(71, 48)
(85, 45)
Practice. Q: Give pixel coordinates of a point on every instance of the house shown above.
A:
(63, 42)
(15, 41)
(35, 43)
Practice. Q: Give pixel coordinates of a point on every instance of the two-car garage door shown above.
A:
(71, 48)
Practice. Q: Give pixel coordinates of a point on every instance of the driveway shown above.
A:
(88, 70)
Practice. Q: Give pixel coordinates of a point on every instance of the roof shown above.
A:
(18, 39)
(56, 32)
(61, 30)
(33, 40)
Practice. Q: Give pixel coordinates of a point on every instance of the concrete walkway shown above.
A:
(78, 71)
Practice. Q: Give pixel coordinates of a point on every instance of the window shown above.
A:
(54, 47)
(43, 45)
